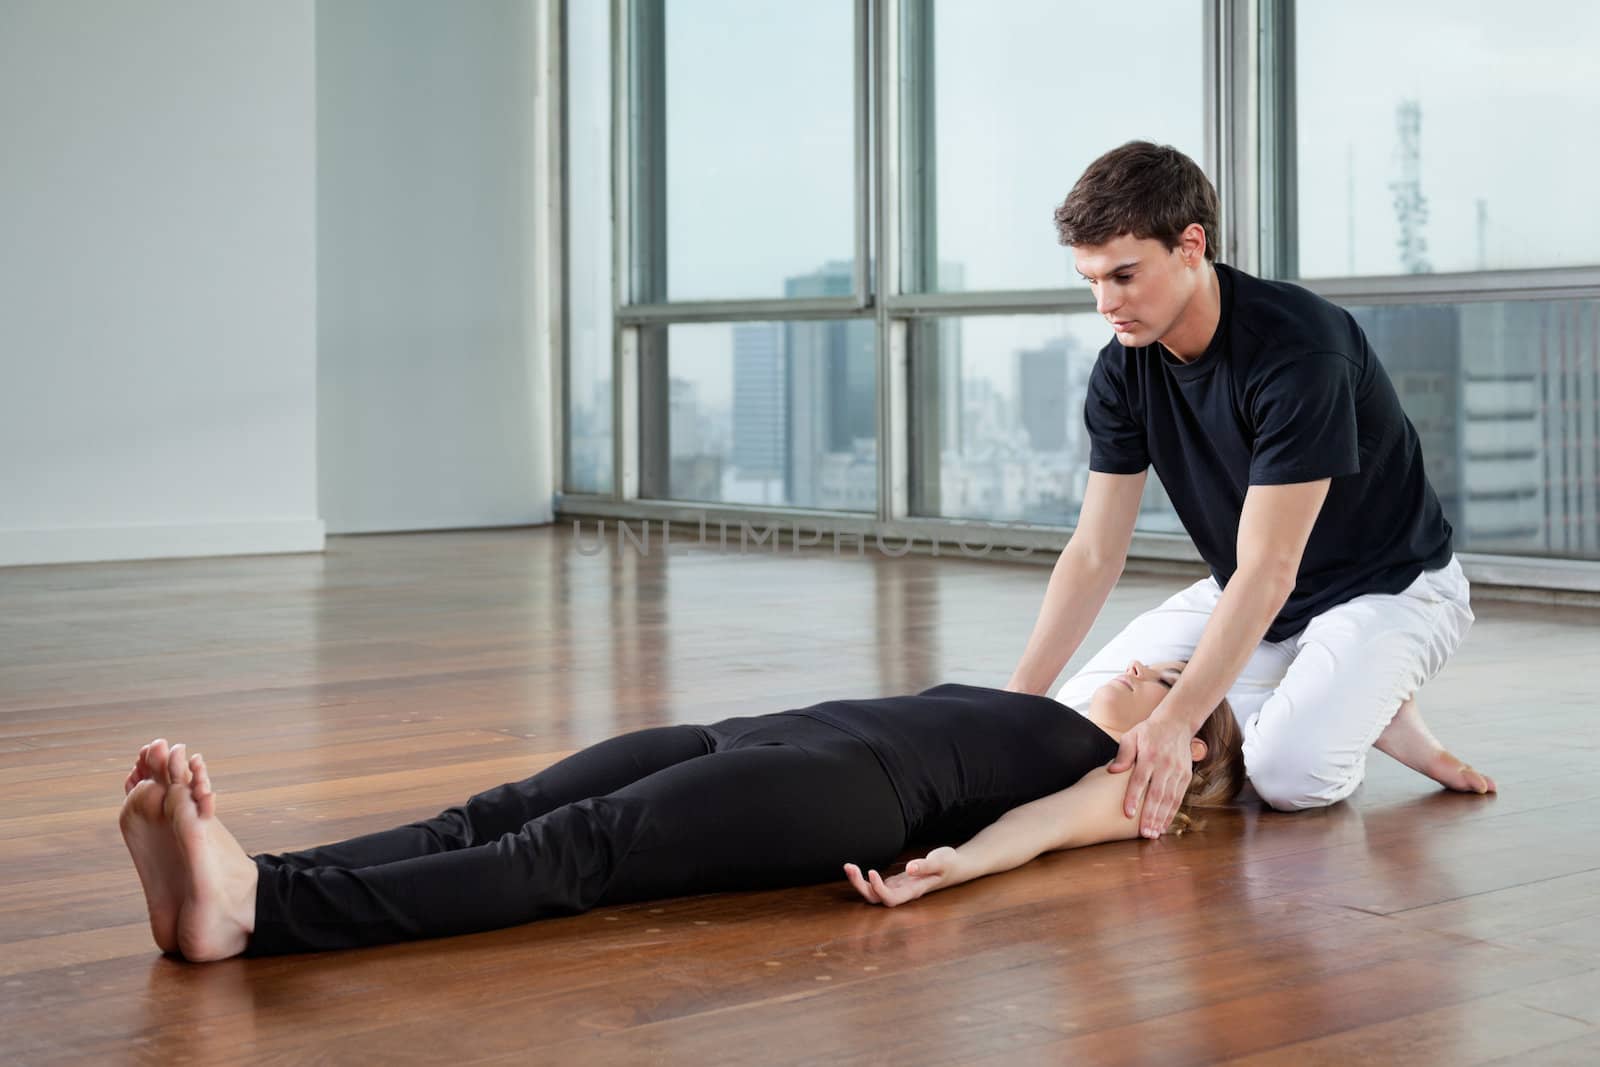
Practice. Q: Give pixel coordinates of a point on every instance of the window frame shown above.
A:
(1249, 97)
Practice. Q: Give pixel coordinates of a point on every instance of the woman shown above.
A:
(775, 800)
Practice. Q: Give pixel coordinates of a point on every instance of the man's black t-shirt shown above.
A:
(1288, 391)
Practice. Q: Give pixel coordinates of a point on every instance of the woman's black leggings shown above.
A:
(748, 803)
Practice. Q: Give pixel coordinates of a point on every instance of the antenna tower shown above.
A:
(1410, 206)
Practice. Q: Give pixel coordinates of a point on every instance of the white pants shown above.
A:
(1311, 706)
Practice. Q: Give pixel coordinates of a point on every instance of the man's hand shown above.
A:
(922, 876)
(1158, 751)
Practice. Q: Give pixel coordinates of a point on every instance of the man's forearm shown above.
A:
(1077, 591)
(1238, 623)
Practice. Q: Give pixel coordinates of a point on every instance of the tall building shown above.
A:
(832, 386)
(1043, 395)
(1420, 347)
(1530, 444)
(760, 401)
(1498, 394)
(1410, 205)
(805, 397)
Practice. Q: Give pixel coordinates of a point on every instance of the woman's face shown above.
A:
(1129, 698)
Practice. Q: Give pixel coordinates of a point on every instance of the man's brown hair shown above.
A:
(1147, 190)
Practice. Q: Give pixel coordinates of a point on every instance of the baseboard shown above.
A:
(100, 544)
(436, 523)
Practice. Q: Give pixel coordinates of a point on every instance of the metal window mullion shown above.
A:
(1286, 156)
(552, 242)
(643, 120)
(1213, 101)
(1277, 153)
(1228, 127)
(862, 286)
(621, 234)
(893, 427)
(653, 391)
(1558, 283)
(1039, 301)
(1239, 136)
(917, 191)
(829, 307)
(917, 244)
(625, 415)
(895, 467)
(639, 127)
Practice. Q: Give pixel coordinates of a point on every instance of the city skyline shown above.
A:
(1490, 388)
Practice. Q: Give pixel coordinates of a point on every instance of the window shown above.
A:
(752, 150)
(589, 300)
(777, 414)
(1440, 137)
(998, 423)
(798, 331)
(1506, 398)
(1006, 107)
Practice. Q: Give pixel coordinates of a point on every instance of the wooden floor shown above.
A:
(342, 693)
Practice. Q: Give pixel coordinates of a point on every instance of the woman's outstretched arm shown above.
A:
(1087, 813)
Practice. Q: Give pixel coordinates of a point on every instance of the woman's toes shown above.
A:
(155, 761)
(204, 798)
(178, 765)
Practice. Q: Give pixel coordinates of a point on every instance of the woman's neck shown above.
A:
(1110, 729)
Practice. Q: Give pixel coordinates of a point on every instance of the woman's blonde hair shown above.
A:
(1220, 775)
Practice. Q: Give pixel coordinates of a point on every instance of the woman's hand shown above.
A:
(936, 870)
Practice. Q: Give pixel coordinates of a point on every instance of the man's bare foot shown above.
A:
(219, 903)
(1408, 739)
(151, 842)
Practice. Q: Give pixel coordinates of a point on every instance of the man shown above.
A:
(1277, 434)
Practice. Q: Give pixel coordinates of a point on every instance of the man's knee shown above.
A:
(1295, 781)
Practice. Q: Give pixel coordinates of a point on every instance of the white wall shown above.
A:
(157, 279)
(434, 398)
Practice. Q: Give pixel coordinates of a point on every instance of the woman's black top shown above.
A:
(960, 756)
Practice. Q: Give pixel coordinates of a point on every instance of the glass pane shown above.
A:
(782, 414)
(1003, 397)
(1024, 96)
(1506, 397)
(1458, 145)
(759, 144)
(589, 323)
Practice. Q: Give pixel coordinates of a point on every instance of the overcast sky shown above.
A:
(1510, 98)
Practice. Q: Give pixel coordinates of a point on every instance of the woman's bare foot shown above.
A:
(151, 842)
(219, 904)
(1408, 739)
